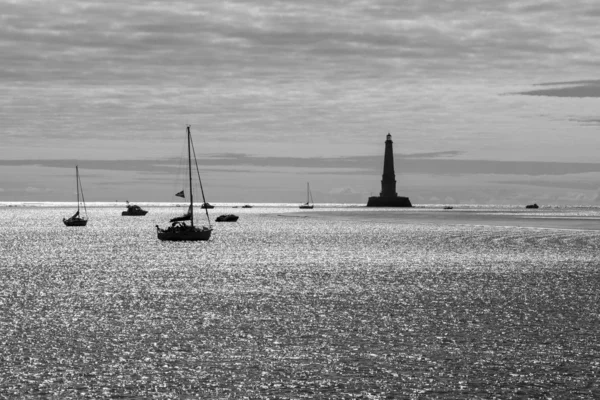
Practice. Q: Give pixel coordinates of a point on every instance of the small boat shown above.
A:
(247, 206)
(76, 219)
(309, 201)
(179, 230)
(134, 210)
(534, 205)
(207, 205)
(448, 208)
(227, 218)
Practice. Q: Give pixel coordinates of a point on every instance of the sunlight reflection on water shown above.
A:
(294, 307)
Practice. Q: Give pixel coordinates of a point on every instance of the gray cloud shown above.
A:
(278, 72)
(233, 163)
(589, 88)
(597, 196)
(91, 42)
(587, 121)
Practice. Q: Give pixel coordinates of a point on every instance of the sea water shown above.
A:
(280, 305)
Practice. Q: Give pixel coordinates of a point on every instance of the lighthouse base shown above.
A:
(389, 202)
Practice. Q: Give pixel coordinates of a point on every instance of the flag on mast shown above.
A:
(180, 194)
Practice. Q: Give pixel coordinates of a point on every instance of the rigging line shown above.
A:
(82, 197)
(200, 180)
(179, 166)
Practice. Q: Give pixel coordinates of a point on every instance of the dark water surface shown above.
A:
(284, 307)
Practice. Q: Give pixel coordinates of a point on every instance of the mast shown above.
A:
(77, 183)
(190, 175)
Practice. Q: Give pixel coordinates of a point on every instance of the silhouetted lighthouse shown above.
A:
(388, 196)
(388, 179)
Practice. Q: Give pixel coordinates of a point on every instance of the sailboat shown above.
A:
(309, 201)
(76, 219)
(179, 230)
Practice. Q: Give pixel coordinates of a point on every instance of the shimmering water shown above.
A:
(278, 306)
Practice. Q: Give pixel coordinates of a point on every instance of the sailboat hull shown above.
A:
(195, 234)
(306, 207)
(75, 222)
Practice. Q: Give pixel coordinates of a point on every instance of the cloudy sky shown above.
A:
(487, 101)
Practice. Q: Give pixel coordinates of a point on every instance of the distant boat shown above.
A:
(76, 219)
(448, 208)
(534, 205)
(247, 206)
(134, 210)
(180, 230)
(309, 201)
(227, 218)
(207, 205)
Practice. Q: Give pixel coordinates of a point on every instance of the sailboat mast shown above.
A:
(190, 176)
(77, 183)
(307, 193)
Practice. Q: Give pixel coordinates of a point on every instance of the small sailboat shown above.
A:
(179, 230)
(133, 209)
(76, 219)
(207, 205)
(309, 201)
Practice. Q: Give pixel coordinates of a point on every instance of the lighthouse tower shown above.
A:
(388, 196)
(388, 179)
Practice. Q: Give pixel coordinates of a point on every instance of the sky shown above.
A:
(488, 102)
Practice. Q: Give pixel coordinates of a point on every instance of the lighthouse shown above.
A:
(388, 196)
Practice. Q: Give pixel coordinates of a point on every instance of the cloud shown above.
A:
(269, 72)
(597, 196)
(449, 153)
(179, 43)
(232, 163)
(590, 88)
(345, 195)
(31, 189)
(586, 121)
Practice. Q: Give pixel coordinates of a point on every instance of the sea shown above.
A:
(289, 304)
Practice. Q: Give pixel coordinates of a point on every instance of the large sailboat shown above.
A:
(179, 230)
(76, 219)
(309, 201)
